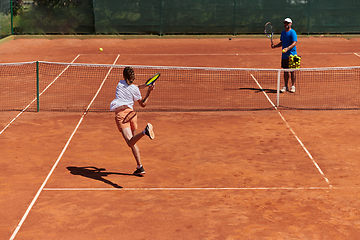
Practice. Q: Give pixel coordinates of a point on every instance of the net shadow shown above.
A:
(257, 90)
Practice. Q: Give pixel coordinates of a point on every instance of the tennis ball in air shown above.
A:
(101, 49)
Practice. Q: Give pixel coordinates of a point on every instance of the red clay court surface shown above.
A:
(274, 174)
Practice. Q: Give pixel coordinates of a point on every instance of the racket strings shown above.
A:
(152, 79)
(269, 30)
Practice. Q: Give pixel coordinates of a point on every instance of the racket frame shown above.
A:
(272, 31)
(156, 76)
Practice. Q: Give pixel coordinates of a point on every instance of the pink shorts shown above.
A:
(120, 116)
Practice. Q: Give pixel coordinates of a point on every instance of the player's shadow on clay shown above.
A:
(97, 174)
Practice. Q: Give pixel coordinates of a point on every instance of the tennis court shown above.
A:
(269, 174)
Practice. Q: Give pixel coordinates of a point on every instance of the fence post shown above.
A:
(12, 17)
(160, 20)
(309, 10)
(37, 87)
(234, 17)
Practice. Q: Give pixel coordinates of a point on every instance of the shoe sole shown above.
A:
(151, 131)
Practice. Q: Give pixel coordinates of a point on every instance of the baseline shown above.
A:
(187, 189)
(213, 54)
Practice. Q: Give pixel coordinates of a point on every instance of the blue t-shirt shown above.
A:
(287, 38)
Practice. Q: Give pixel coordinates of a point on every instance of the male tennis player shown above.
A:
(288, 40)
(126, 94)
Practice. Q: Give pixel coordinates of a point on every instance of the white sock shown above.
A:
(139, 166)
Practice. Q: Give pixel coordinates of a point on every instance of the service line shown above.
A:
(187, 189)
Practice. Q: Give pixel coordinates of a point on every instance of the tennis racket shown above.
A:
(152, 80)
(129, 116)
(269, 31)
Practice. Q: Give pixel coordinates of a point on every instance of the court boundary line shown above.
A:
(306, 150)
(293, 132)
(190, 189)
(59, 158)
(263, 91)
(18, 115)
(210, 54)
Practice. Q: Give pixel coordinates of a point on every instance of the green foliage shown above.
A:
(17, 6)
(57, 16)
(5, 29)
(57, 3)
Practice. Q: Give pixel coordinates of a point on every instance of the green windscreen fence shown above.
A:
(185, 17)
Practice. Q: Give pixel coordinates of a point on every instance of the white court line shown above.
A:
(8, 125)
(59, 158)
(263, 91)
(357, 54)
(307, 152)
(210, 54)
(295, 135)
(187, 189)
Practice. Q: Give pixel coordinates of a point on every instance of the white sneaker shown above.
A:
(149, 131)
(292, 89)
(284, 89)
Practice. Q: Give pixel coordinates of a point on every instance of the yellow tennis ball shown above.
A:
(101, 49)
(283, 50)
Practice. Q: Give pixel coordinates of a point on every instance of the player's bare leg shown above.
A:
(131, 140)
(293, 80)
(286, 81)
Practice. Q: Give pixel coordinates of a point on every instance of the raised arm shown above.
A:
(143, 102)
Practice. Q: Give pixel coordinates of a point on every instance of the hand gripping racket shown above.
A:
(152, 80)
(269, 31)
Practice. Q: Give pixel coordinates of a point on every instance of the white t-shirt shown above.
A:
(125, 95)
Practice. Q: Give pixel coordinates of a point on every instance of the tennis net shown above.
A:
(53, 86)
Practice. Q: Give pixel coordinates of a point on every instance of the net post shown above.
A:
(37, 87)
(278, 89)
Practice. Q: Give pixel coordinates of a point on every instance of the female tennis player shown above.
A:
(126, 119)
